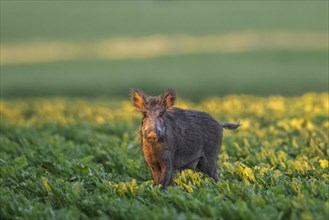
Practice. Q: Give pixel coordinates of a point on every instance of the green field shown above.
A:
(78, 159)
(69, 144)
(193, 76)
(262, 71)
(33, 20)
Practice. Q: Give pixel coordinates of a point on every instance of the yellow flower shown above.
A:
(263, 170)
(248, 172)
(187, 187)
(296, 186)
(323, 163)
(229, 167)
(133, 188)
(45, 184)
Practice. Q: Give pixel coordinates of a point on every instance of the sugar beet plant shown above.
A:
(70, 159)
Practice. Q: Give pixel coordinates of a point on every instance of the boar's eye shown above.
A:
(161, 113)
(144, 114)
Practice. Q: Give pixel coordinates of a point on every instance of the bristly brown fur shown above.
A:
(137, 99)
(177, 139)
(169, 97)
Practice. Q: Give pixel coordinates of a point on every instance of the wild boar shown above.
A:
(177, 139)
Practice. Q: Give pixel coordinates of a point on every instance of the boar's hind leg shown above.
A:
(190, 165)
(208, 166)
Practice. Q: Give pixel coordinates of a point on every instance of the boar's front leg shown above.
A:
(150, 156)
(156, 172)
(167, 169)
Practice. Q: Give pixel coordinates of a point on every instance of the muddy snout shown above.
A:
(152, 137)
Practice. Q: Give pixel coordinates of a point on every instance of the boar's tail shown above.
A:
(230, 125)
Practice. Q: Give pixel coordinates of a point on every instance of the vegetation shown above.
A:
(97, 20)
(71, 158)
(263, 48)
(193, 76)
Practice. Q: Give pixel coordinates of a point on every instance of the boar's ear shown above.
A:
(137, 99)
(168, 99)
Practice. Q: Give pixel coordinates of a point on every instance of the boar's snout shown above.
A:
(152, 137)
(153, 129)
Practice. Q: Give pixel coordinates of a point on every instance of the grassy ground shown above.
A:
(71, 158)
(193, 76)
(31, 30)
(34, 20)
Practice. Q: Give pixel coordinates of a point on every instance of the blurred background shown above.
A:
(201, 49)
